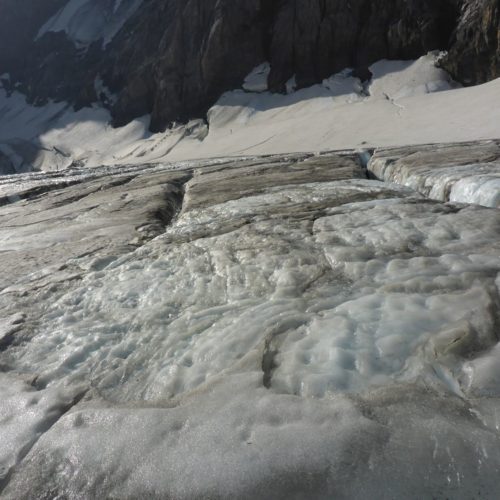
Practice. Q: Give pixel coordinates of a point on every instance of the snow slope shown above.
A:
(406, 103)
(86, 21)
(54, 137)
(410, 104)
(404, 108)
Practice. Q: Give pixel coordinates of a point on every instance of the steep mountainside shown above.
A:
(173, 58)
(475, 49)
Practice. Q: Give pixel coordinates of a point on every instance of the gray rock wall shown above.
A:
(173, 58)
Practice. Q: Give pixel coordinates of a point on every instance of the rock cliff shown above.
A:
(474, 55)
(173, 58)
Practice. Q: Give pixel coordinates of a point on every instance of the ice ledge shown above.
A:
(466, 172)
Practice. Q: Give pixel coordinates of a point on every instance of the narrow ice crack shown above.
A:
(268, 362)
(395, 103)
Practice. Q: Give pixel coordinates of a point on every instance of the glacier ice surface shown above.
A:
(212, 328)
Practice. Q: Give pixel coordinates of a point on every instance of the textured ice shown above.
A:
(399, 312)
(276, 327)
(241, 441)
(25, 414)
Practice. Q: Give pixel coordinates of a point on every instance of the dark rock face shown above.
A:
(474, 56)
(184, 56)
(173, 58)
(6, 167)
(208, 47)
(313, 39)
(50, 67)
(19, 24)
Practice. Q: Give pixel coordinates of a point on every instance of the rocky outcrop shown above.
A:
(474, 55)
(173, 58)
(315, 39)
(184, 55)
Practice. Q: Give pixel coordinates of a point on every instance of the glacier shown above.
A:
(467, 172)
(298, 298)
(278, 326)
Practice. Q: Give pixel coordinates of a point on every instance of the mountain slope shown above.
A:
(172, 59)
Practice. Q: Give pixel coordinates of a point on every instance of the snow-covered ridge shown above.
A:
(86, 21)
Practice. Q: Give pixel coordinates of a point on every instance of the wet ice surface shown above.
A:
(25, 414)
(265, 336)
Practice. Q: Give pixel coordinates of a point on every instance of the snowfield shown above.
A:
(406, 103)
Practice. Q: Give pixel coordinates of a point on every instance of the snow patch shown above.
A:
(256, 81)
(396, 80)
(291, 85)
(103, 93)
